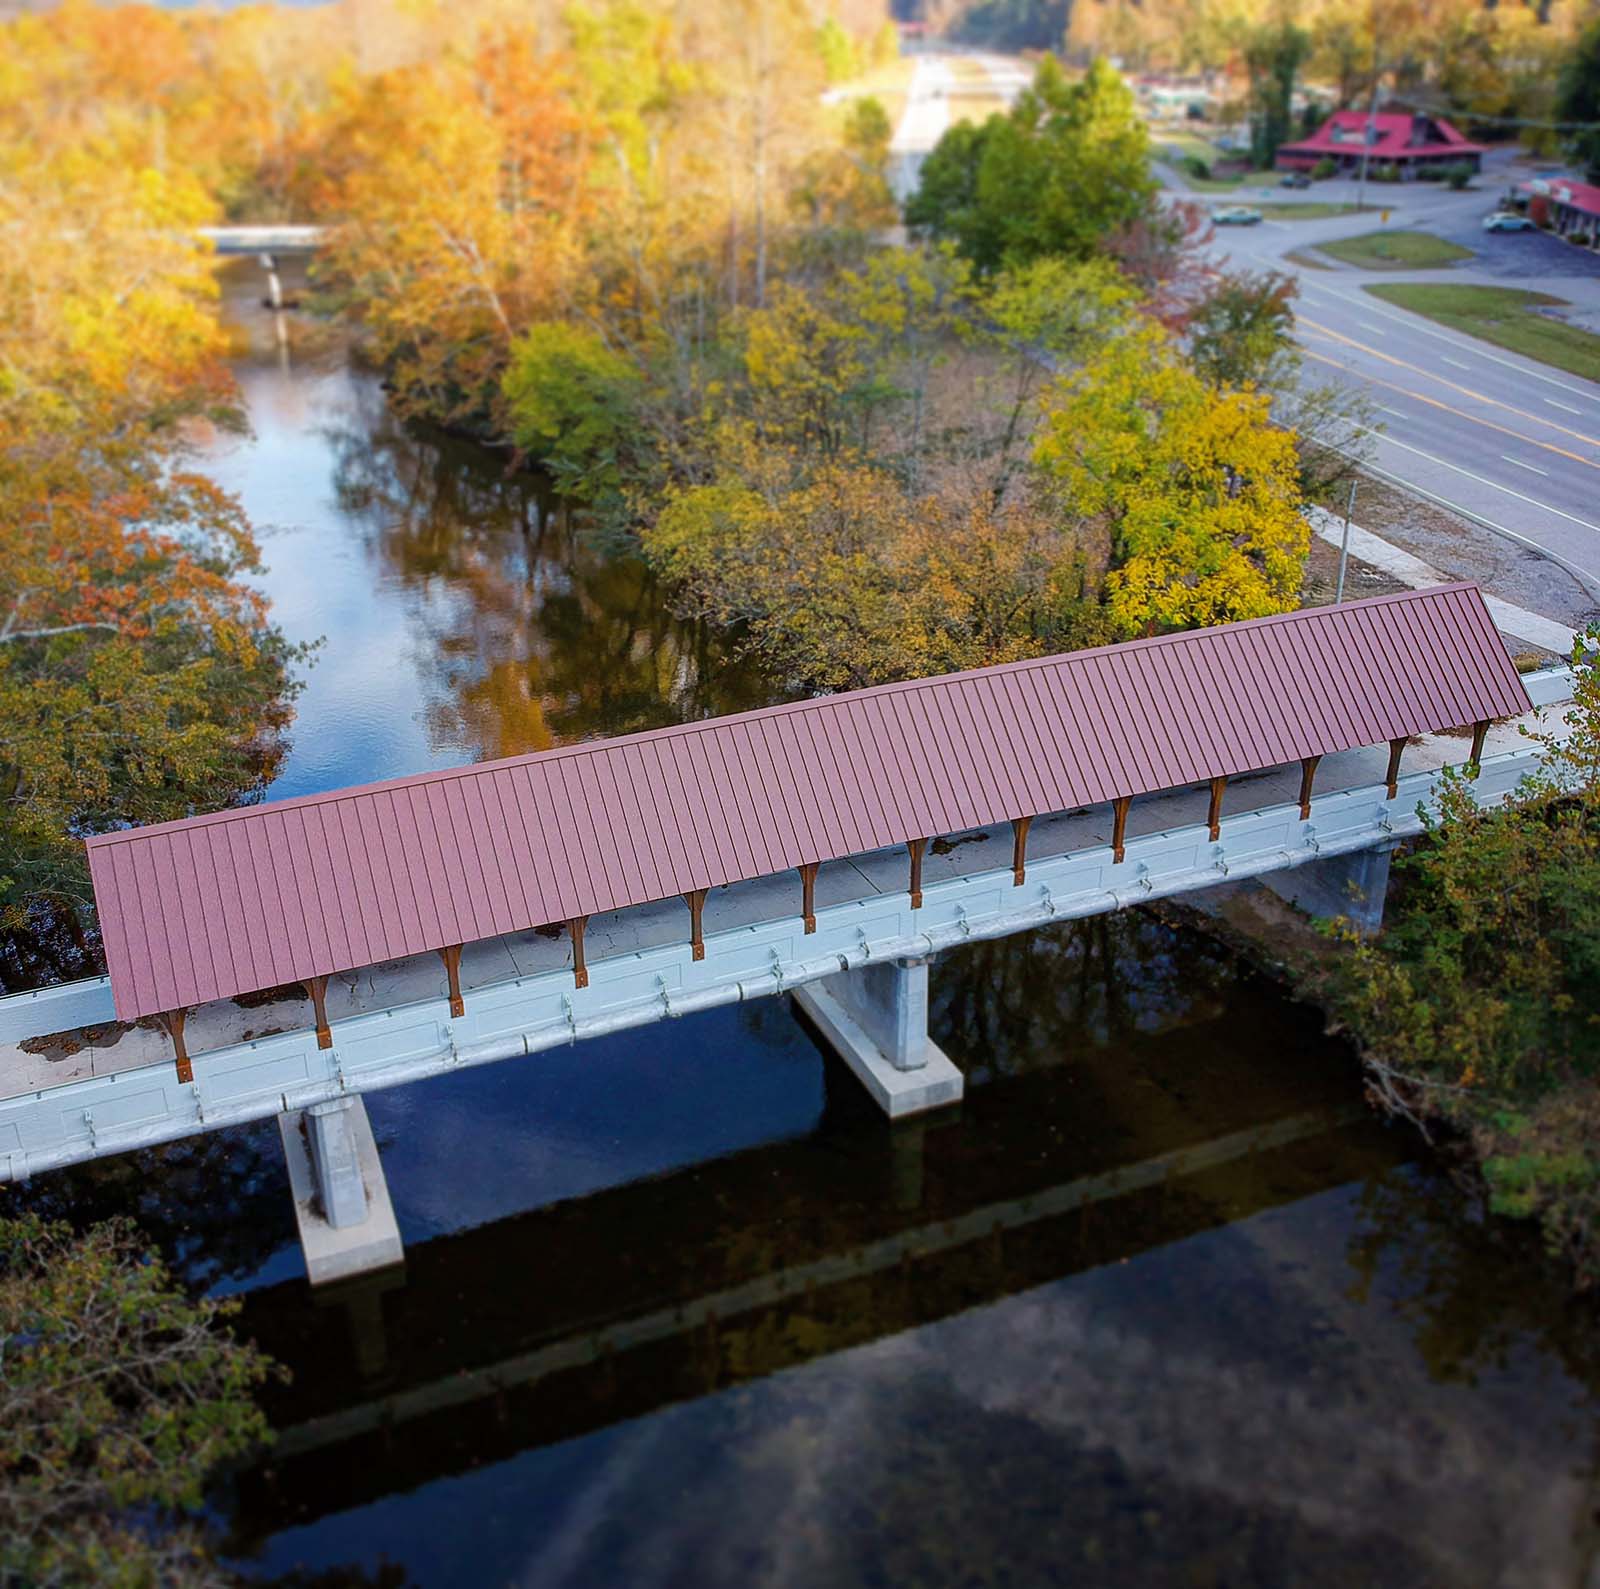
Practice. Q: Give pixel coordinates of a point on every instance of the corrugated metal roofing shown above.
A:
(252, 898)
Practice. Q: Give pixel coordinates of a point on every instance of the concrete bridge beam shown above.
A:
(876, 1018)
(1354, 885)
(341, 1199)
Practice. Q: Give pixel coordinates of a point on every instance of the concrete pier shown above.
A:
(1353, 885)
(341, 1199)
(876, 1018)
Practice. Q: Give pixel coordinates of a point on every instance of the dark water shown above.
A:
(1160, 1304)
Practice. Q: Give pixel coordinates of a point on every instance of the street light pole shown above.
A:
(1366, 142)
(1344, 545)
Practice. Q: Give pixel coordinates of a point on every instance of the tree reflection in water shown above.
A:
(536, 633)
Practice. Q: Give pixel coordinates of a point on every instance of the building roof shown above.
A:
(1583, 196)
(1345, 132)
(252, 898)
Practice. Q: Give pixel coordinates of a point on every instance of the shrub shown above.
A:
(1198, 168)
(1323, 169)
(1459, 175)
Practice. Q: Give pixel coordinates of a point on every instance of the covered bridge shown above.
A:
(295, 891)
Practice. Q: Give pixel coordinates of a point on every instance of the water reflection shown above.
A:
(1143, 1304)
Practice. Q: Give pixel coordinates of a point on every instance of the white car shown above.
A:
(1507, 221)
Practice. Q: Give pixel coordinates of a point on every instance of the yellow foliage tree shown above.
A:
(1196, 489)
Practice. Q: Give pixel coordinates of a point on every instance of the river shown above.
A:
(1161, 1303)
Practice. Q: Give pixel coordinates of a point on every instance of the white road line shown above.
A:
(1456, 468)
(1528, 466)
(1568, 406)
(1426, 328)
(1457, 364)
(1365, 325)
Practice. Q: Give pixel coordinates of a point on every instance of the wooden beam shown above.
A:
(808, 894)
(1478, 731)
(1019, 849)
(1396, 746)
(452, 966)
(173, 1021)
(1308, 773)
(695, 898)
(1214, 817)
(317, 991)
(580, 971)
(916, 847)
(1119, 826)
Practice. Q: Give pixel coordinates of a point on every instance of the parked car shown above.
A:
(1507, 221)
(1294, 179)
(1236, 215)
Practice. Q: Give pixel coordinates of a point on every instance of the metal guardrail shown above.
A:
(97, 1116)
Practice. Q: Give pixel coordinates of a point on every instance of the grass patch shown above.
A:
(1306, 210)
(1504, 316)
(1395, 251)
(977, 106)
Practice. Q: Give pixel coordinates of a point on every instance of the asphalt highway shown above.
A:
(1510, 441)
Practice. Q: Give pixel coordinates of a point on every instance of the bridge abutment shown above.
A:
(341, 1199)
(875, 1017)
(1353, 885)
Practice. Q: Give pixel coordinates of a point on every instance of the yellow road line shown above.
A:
(1461, 413)
(1455, 386)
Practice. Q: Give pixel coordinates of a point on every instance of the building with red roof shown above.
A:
(1410, 143)
(1569, 208)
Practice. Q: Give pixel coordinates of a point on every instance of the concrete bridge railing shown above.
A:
(287, 1072)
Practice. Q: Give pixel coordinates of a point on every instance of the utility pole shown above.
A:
(1366, 142)
(1344, 545)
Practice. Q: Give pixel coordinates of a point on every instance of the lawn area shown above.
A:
(889, 84)
(1504, 316)
(1395, 251)
(1306, 210)
(976, 106)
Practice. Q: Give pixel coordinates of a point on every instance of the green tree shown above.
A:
(118, 1398)
(573, 404)
(1480, 1005)
(1273, 54)
(1578, 97)
(1068, 166)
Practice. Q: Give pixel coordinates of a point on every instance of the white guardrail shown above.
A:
(97, 1116)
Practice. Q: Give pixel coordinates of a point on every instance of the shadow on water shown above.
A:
(1160, 1304)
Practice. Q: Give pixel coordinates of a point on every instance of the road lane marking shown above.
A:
(1455, 468)
(1528, 466)
(1454, 386)
(1425, 327)
(1568, 406)
(1468, 368)
(1461, 413)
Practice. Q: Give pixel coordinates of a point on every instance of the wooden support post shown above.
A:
(1478, 731)
(173, 1020)
(916, 846)
(1214, 817)
(580, 971)
(1308, 773)
(452, 966)
(696, 901)
(317, 991)
(1396, 746)
(1119, 826)
(1019, 849)
(808, 894)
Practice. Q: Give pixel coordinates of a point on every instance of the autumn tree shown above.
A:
(1578, 97)
(1066, 167)
(119, 1396)
(140, 678)
(1195, 488)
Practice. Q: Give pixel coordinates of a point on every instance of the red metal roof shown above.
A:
(1344, 132)
(252, 898)
(1583, 196)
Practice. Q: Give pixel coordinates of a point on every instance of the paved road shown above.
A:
(1511, 441)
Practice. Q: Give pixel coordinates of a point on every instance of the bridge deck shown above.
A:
(98, 1051)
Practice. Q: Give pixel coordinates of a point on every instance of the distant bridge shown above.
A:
(469, 917)
(270, 240)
